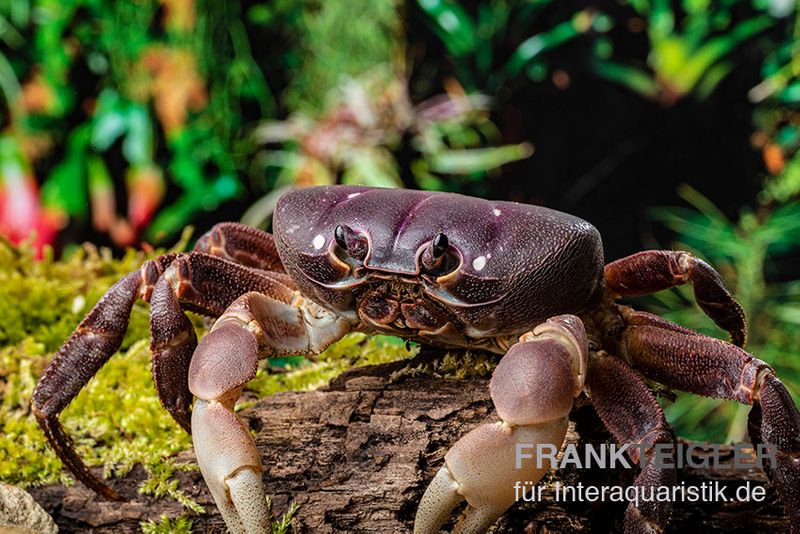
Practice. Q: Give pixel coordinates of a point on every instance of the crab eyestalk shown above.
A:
(533, 389)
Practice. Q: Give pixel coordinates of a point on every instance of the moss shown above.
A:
(161, 484)
(352, 351)
(452, 365)
(181, 525)
(284, 523)
(117, 420)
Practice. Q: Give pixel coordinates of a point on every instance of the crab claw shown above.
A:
(481, 468)
(226, 452)
(532, 389)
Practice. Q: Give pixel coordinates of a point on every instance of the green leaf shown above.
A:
(685, 75)
(478, 159)
(637, 80)
(110, 120)
(452, 24)
(65, 186)
(534, 46)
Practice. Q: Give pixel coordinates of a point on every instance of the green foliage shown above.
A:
(690, 48)
(474, 43)
(161, 95)
(784, 187)
(745, 253)
(329, 55)
(161, 484)
(284, 524)
(780, 72)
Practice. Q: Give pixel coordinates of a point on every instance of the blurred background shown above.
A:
(667, 124)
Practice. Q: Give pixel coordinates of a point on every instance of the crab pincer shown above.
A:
(532, 388)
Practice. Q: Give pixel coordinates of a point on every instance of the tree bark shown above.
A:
(357, 457)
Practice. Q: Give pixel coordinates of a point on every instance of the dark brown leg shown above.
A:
(241, 244)
(628, 409)
(653, 270)
(714, 368)
(771, 421)
(98, 336)
(205, 284)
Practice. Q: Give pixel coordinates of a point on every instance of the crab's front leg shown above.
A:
(255, 326)
(533, 389)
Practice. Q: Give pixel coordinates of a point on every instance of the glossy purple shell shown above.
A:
(520, 264)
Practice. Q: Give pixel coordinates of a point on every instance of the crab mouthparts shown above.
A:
(410, 313)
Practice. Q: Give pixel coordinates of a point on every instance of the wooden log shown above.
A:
(357, 457)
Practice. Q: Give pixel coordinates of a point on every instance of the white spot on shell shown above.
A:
(489, 256)
(351, 195)
(318, 241)
(496, 212)
(479, 263)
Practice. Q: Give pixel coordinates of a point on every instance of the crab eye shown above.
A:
(341, 238)
(350, 242)
(435, 258)
(439, 245)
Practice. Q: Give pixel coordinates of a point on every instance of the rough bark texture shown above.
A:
(357, 457)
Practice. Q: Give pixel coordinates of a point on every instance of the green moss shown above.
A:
(282, 525)
(181, 525)
(458, 365)
(352, 351)
(161, 484)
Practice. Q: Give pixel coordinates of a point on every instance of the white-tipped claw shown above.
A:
(437, 502)
(481, 468)
(231, 466)
(532, 389)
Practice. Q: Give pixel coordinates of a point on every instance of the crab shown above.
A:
(525, 282)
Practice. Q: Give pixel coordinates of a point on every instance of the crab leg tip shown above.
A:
(437, 503)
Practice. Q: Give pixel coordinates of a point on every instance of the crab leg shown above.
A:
(241, 244)
(653, 270)
(629, 410)
(532, 388)
(255, 326)
(98, 336)
(205, 284)
(715, 368)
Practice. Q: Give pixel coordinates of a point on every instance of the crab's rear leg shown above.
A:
(255, 326)
(653, 270)
(533, 389)
(706, 366)
(629, 410)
